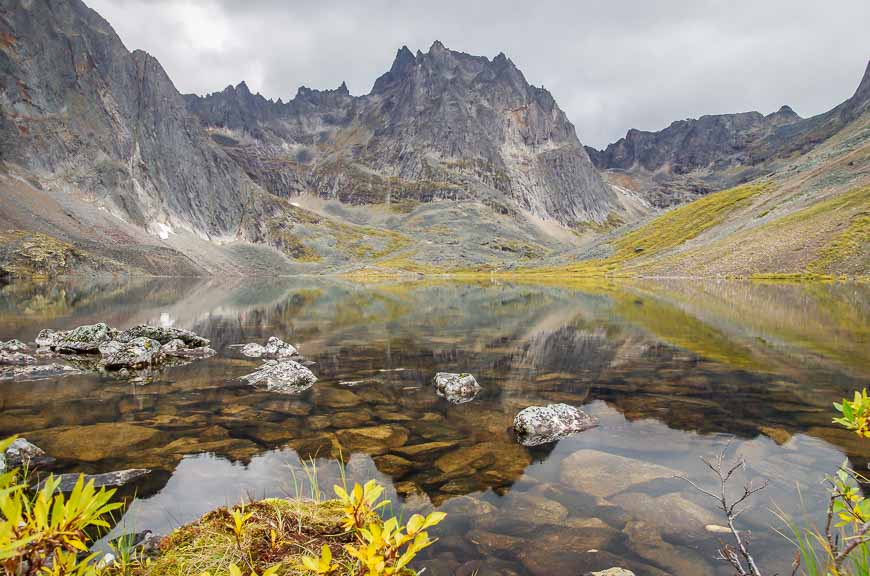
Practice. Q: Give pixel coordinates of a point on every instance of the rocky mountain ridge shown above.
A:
(693, 157)
(438, 125)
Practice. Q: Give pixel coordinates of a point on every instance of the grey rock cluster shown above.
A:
(538, 425)
(139, 347)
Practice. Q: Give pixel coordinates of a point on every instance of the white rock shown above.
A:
(287, 376)
(543, 424)
(456, 388)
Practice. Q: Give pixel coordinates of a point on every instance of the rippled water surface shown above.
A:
(672, 370)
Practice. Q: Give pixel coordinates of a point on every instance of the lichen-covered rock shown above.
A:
(456, 388)
(84, 339)
(537, 425)
(275, 348)
(177, 348)
(137, 353)
(48, 338)
(37, 372)
(14, 346)
(16, 358)
(612, 572)
(164, 335)
(287, 376)
(253, 350)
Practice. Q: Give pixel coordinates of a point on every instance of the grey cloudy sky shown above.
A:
(612, 65)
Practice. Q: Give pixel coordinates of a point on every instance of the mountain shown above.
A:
(806, 216)
(451, 161)
(693, 157)
(438, 125)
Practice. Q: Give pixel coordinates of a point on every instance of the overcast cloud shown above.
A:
(611, 65)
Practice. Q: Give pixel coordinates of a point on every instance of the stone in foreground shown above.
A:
(137, 353)
(287, 376)
(612, 572)
(108, 479)
(537, 425)
(456, 388)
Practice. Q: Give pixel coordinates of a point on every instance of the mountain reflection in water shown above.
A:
(672, 370)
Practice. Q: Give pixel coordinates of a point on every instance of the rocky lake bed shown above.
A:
(550, 424)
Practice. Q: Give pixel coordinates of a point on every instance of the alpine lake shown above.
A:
(673, 371)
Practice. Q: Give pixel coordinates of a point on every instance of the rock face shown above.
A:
(77, 102)
(437, 125)
(287, 376)
(456, 388)
(537, 425)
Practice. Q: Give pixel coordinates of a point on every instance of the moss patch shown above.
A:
(24, 253)
(280, 531)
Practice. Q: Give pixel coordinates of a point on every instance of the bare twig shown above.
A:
(724, 472)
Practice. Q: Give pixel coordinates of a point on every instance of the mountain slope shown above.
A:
(437, 125)
(693, 157)
(809, 217)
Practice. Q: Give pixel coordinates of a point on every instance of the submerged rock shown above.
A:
(603, 474)
(16, 358)
(118, 478)
(275, 348)
(287, 376)
(537, 425)
(14, 346)
(137, 353)
(456, 388)
(164, 335)
(37, 372)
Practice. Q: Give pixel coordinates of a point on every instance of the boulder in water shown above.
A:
(14, 346)
(456, 388)
(136, 353)
(82, 339)
(275, 348)
(287, 376)
(177, 348)
(164, 335)
(537, 425)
